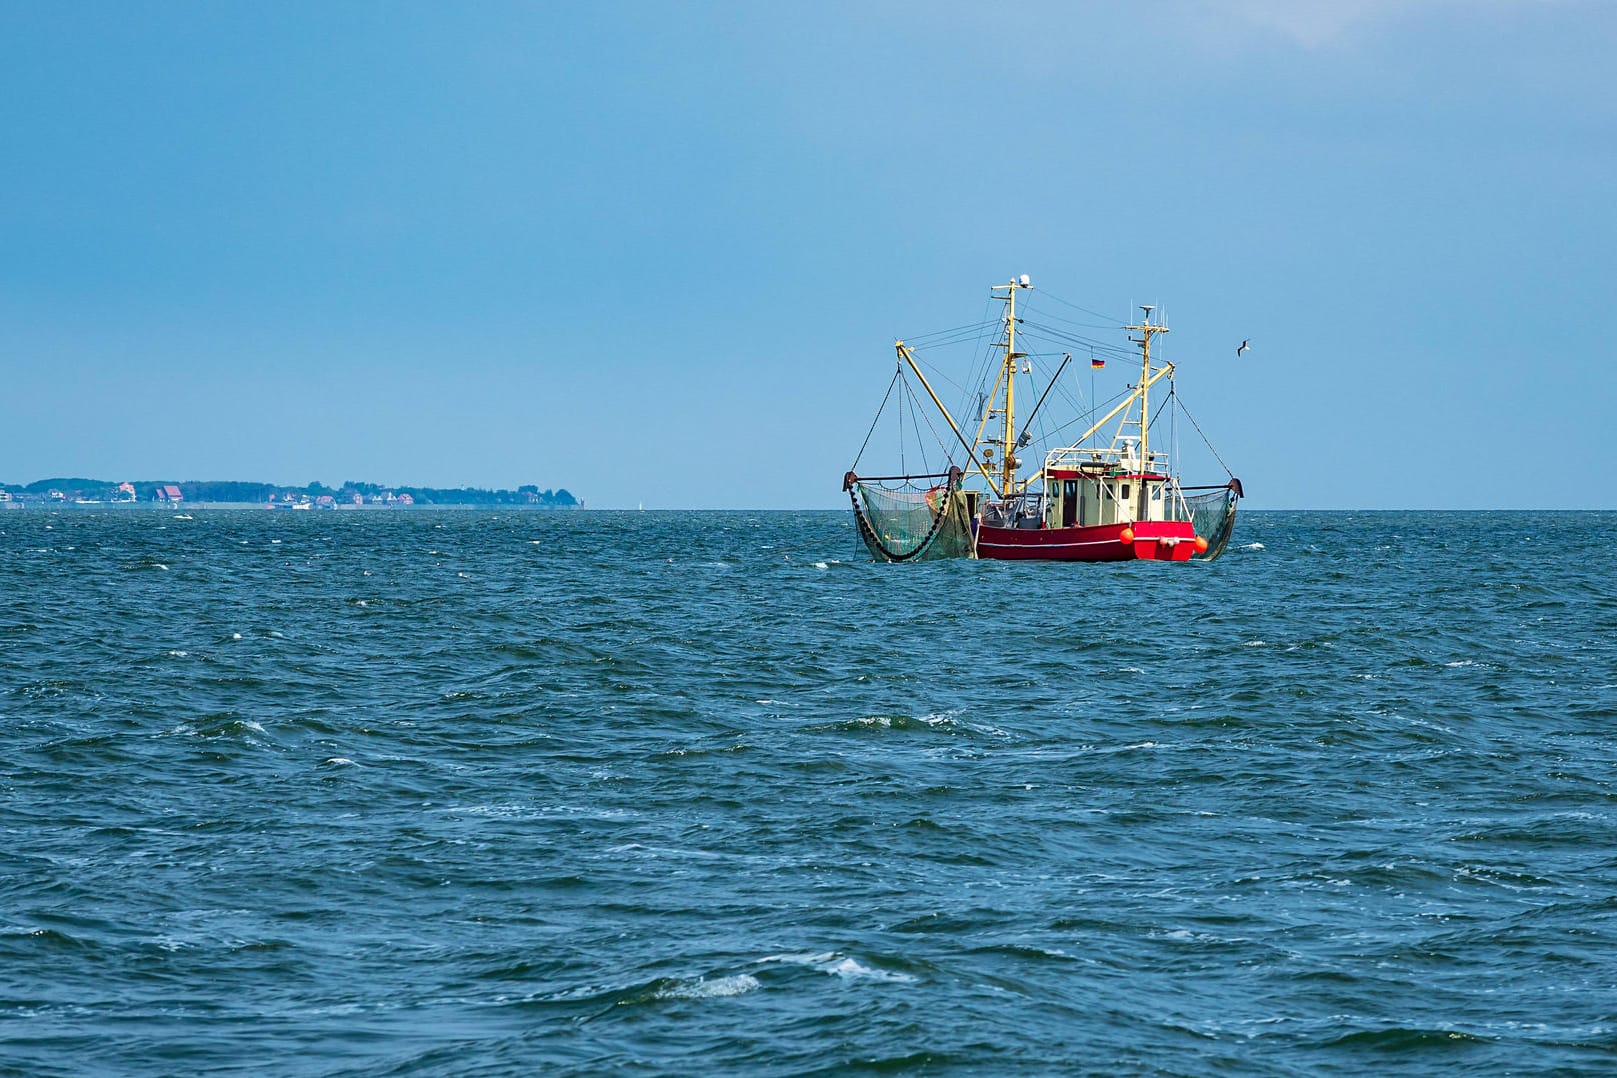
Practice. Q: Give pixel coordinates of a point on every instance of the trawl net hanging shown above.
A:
(911, 522)
(1213, 515)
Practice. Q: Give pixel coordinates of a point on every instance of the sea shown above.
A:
(576, 793)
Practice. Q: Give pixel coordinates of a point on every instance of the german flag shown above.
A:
(1096, 364)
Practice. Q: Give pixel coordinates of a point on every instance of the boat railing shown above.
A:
(1089, 459)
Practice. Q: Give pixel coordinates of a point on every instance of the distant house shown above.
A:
(359, 499)
(325, 501)
(406, 499)
(168, 492)
(125, 493)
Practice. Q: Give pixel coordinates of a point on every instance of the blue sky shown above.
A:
(657, 253)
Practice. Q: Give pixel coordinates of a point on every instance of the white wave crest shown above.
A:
(837, 965)
(849, 968)
(702, 988)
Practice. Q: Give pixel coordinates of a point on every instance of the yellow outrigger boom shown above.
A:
(909, 357)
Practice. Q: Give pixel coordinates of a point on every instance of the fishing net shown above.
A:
(1213, 515)
(912, 523)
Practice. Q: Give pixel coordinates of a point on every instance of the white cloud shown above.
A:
(1316, 24)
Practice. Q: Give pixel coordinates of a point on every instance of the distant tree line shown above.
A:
(235, 491)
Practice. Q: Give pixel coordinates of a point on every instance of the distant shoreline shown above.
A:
(182, 506)
(81, 491)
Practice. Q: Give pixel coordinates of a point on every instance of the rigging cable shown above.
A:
(1205, 441)
(880, 408)
(1080, 418)
(1047, 389)
(968, 330)
(1071, 322)
(1074, 306)
(1034, 329)
(926, 415)
(909, 397)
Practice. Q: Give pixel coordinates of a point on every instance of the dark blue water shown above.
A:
(453, 793)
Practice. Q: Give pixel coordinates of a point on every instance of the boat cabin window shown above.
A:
(1125, 491)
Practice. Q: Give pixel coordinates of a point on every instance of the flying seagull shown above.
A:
(1244, 346)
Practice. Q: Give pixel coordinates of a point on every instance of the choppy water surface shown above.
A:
(409, 793)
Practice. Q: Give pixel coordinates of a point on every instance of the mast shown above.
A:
(1145, 329)
(1007, 461)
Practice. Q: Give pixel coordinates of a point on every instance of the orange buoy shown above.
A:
(1201, 545)
(1126, 536)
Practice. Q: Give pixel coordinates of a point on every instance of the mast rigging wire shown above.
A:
(1068, 303)
(879, 409)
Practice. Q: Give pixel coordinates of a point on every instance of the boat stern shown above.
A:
(1162, 540)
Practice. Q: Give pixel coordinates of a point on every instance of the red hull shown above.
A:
(1161, 540)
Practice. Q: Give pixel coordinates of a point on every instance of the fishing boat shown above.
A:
(1116, 500)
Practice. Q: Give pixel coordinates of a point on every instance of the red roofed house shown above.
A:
(168, 492)
(405, 499)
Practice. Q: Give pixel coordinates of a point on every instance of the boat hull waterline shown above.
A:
(1167, 540)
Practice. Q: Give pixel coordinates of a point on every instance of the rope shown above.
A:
(1158, 413)
(1205, 442)
(925, 414)
(876, 420)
